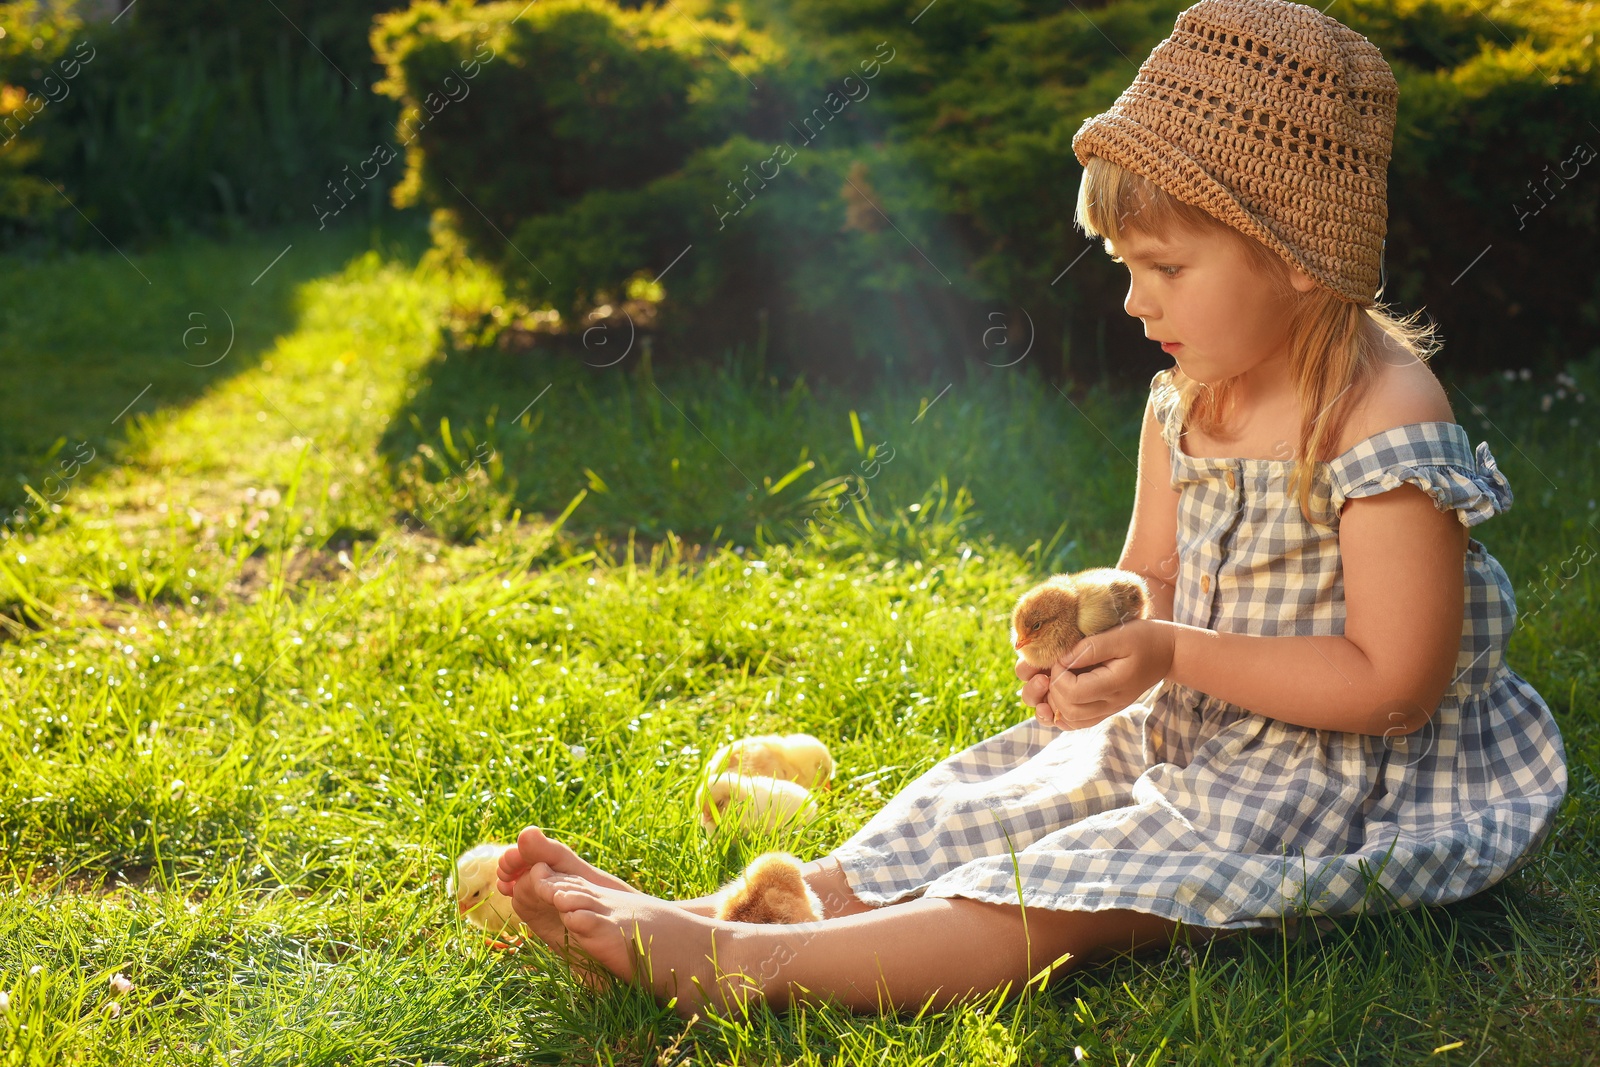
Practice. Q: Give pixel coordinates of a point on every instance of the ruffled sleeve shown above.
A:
(1437, 458)
(1164, 403)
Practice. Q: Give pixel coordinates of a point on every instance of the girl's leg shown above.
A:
(943, 949)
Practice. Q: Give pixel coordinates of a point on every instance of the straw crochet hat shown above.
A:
(1275, 119)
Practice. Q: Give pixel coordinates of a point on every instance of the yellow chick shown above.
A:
(477, 896)
(771, 890)
(798, 757)
(1062, 610)
(753, 802)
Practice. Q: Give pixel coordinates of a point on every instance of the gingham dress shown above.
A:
(1197, 810)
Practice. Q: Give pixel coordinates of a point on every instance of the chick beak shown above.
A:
(463, 906)
(1022, 639)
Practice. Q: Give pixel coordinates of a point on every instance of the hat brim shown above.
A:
(1117, 138)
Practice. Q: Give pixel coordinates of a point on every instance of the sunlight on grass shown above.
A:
(265, 674)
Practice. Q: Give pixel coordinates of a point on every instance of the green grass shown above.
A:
(282, 649)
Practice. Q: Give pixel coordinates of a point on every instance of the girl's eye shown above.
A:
(1163, 270)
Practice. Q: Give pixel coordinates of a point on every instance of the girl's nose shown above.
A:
(1136, 303)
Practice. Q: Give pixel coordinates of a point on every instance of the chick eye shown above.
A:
(1036, 625)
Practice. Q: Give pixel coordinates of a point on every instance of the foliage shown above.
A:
(941, 204)
(575, 96)
(183, 115)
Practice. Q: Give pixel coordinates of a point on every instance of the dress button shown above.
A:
(1205, 583)
(1231, 483)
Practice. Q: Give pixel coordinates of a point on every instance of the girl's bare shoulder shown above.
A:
(1404, 391)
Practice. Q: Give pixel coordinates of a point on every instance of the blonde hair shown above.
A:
(1333, 342)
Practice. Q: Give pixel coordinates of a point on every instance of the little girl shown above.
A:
(1317, 720)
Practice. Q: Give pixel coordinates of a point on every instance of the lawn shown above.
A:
(286, 624)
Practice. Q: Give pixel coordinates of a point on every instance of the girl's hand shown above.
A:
(1127, 660)
(1034, 692)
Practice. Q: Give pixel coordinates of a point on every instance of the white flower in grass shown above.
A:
(112, 1009)
(1078, 1053)
(120, 985)
(5, 1002)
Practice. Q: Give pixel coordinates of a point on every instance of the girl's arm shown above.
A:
(1151, 548)
(1403, 562)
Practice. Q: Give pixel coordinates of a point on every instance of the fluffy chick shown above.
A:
(1062, 610)
(798, 757)
(771, 890)
(477, 897)
(752, 802)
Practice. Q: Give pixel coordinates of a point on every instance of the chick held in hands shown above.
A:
(1062, 610)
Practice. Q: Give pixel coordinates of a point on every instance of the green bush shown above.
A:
(1488, 105)
(599, 149)
(1494, 188)
(526, 115)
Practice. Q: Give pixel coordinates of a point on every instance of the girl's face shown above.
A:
(1200, 294)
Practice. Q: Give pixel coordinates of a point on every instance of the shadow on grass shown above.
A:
(91, 343)
(722, 453)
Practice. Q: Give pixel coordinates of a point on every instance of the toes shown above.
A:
(583, 922)
(565, 893)
(512, 866)
(534, 846)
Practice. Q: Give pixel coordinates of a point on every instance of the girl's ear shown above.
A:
(1301, 280)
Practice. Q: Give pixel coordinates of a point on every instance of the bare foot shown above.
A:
(651, 943)
(535, 846)
(536, 855)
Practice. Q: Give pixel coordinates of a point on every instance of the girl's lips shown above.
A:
(1171, 346)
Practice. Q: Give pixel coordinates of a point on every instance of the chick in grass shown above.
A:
(798, 758)
(771, 890)
(751, 802)
(477, 898)
(1062, 610)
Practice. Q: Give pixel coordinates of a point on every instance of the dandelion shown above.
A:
(120, 985)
